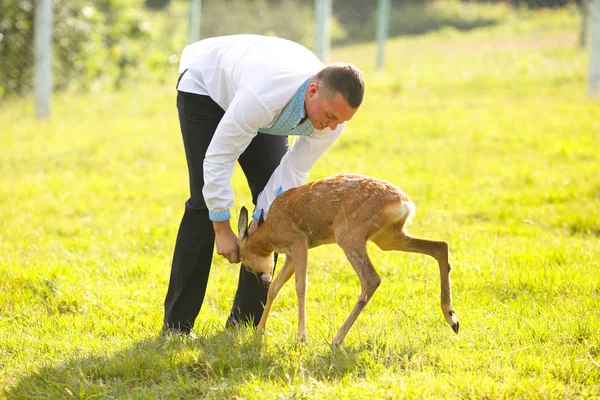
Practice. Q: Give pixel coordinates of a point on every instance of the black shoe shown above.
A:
(173, 331)
(236, 319)
(231, 322)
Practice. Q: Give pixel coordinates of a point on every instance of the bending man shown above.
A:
(239, 98)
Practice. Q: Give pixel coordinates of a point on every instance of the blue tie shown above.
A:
(286, 123)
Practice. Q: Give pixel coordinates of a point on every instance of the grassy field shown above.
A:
(490, 133)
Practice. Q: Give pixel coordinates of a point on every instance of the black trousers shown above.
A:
(198, 117)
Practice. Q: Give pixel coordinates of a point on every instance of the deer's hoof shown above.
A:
(337, 342)
(455, 327)
(337, 347)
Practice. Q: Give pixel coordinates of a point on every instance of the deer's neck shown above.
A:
(259, 241)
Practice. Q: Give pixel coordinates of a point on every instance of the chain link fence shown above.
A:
(95, 44)
(107, 43)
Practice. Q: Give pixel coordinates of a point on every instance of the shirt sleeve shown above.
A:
(295, 165)
(234, 133)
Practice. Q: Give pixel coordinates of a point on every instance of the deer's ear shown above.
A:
(243, 224)
(261, 219)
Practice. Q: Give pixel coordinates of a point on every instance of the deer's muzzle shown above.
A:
(265, 279)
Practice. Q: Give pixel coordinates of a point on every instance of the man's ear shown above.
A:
(243, 224)
(313, 87)
(261, 219)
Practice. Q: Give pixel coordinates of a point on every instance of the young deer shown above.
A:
(346, 209)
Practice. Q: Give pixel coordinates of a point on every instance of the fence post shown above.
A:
(322, 35)
(594, 72)
(583, 28)
(42, 42)
(195, 10)
(383, 17)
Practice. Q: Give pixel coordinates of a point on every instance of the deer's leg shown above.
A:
(397, 239)
(300, 254)
(369, 281)
(284, 275)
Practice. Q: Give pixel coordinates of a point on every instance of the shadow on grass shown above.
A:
(213, 363)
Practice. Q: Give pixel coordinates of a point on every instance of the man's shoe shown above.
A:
(172, 331)
(237, 319)
(232, 322)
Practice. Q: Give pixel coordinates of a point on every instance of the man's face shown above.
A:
(326, 110)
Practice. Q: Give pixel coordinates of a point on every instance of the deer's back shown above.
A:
(355, 202)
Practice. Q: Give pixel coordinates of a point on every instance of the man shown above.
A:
(239, 97)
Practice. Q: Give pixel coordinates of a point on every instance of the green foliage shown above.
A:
(110, 43)
(96, 40)
(16, 24)
(416, 18)
(285, 18)
(491, 134)
(157, 4)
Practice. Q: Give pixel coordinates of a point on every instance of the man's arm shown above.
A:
(236, 130)
(295, 165)
(233, 135)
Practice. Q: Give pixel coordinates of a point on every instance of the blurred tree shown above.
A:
(91, 40)
(527, 3)
(16, 45)
(157, 4)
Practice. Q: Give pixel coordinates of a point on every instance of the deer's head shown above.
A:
(255, 250)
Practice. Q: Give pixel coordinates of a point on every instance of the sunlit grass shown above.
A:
(490, 133)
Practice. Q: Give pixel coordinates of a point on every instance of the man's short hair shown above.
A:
(345, 79)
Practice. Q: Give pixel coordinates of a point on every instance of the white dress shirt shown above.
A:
(252, 78)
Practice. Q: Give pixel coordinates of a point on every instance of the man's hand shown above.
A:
(226, 240)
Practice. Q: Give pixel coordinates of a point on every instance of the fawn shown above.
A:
(346, 209)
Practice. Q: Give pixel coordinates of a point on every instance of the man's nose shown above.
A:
(332, 125)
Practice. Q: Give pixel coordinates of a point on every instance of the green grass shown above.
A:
(490, 133)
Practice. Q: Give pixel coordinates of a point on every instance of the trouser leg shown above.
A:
(190, 269)
(258, 162)
(198, 117)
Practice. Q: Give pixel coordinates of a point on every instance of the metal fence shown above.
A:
(105, 44)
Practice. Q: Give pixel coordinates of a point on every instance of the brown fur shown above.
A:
(346, 209)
